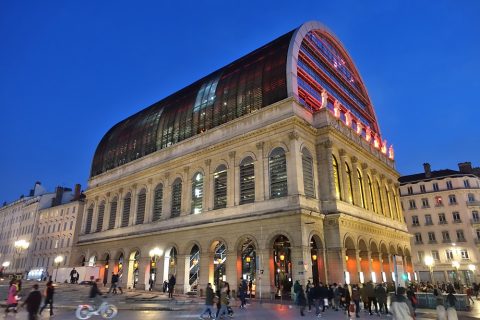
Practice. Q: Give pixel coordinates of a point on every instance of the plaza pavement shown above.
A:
(155, 305)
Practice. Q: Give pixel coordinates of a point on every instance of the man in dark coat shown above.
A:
(171, 286)
(323, 293)
(48, 297)
(33, 302)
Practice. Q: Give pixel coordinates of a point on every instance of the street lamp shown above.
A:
(58, 260)
(472, 268)
(429, 263)
(19, 246)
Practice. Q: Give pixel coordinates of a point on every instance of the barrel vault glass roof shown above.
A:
(299, 63)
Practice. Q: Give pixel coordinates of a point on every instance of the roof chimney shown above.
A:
(428, 170)
(465, 167)
(76, 194)
(58, 196)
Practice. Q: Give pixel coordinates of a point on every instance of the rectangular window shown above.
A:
(438, 201)
(428, 219)
(471, 197)
(431, 237)
(415, 221)
(464, 254)
(466, 183)
(425, 203)
(456, 217)
(421, 256)
(452, 199)
(410, 190)
(435, 186)
(418, 238)
(446, 237)
(71, 225)
(449, 185)
(478, 234)
(435, 255)
(442, 219)
(412, 204)
(460, 236)
(422, 188)
(449, 255)
(475, 216)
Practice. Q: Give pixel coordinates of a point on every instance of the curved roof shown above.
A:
(301, 64)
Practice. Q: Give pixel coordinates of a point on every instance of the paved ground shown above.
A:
(155, 305)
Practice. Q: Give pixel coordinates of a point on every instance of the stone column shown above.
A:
(327, 166)
(264, 283)
(260, 174)
(185, 261)
(231, 181)
(186, 192)
(336, 265)
(358, 261)
(294, 166)
(378, 207)
(149, 201)
(93, 227)
(180, 276)
(343, 174)
(370, 267)
(106, 213)
(301, 264)
(204, 271)
(133, 206)
(383, 205)
(118, 218)
(207, 201)
(231, 269)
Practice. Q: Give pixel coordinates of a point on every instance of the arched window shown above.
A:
(389, 202)
(247, 181)
(157, 202)
(127, 201)
(373, 202)
(197, 193)
(350, 184)
(307, 166)
(220, 187)
(88, 223)
(336, 178)
(397, 212)
(113, 213)
(380, 200)
(176, 197)
(278, 173)
(141, 200)
(101, 214)
(362, 189)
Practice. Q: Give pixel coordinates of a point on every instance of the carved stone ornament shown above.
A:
(167, 175)
(354, 159)
(231, 154)
(120, 190)
(208, 162)
(389, 181)
(328, 144)
(364, 166)
(185, 169)
(293, 135)
(374, 171)
(259, 145)
(150, 180)
(382, 176)
(108, 194)
(342, 152)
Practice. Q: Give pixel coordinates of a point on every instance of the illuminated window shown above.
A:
(278, 173)
(362, 190)
(247, 181)
(197, 193)
(101, 214)
(307, 166)
(127, 201)
(141, 200)
(350, 184)
(449, 255)
(157, 202)
(336, 179)
(438, 201)
(176, 197)
(220, 187)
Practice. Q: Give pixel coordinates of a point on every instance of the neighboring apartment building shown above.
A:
(57, 232)
(442, 212)
(271, 169)
(19, 224)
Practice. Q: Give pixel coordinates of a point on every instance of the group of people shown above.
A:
(169, 286)
(221, 298)
(33, 300)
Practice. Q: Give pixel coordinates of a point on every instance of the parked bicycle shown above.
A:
(106, 310)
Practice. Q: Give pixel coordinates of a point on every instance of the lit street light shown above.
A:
(456, 265)
(429, 263)
(58, 260)
(20, 245)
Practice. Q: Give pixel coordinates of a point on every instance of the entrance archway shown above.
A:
(133, 265)
(105, 268)
(351, 273)
(317, 261)
(219, 259)
(170, 263)
(282, 264)
(248, 261)
(92, 261)
(194, 268)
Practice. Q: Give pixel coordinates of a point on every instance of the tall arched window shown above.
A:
(127, 201)
(336, 179)
(380, 200)
(362, 190)
(141, 200)
(113, 213)
(220, 187)
(278, 173)
(397, 212)
(373, 202)
(389, 202)
(101, 214)
(88, 223)
(307, 166)
(197, 193)
(157, 202)
(176, 197)
(350, 184)
(247, 181)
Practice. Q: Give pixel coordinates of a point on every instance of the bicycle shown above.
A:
(85, 311)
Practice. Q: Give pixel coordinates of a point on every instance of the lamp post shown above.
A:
(429, 263)
(19, 245)
(58, 260)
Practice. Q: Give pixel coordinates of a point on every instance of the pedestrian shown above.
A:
(33, 301)
(356, 299)
(476, 288)
(49, 291)
(401, 307)
(223, 303)
(441, 312)
(370, 293)
(171, 286)
(301, 300)
(113, 284)
(242, 293)
(308, 295)
(315, 296)
(95, 294)
(469, 292)
(105, 280)
(165, 286)
(119, 282)
(381, 296)
(336, 296)
(73, 276)
(323, 296)
(348, 299)
(451, 306)
(412, 297)
(296, 289)
(250, 287)
(229, 308)
(209, 297)
(12, 301)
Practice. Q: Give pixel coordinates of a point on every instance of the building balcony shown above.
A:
(442, 222)
(432, 241)
(457, 221)
(438, 205)
(475, 221)
(461, 240)
(446, 241)
(473, 203)
(429, 223)
(415, 224)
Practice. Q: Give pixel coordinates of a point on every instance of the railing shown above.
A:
(447, 241)
(473, 203)
(475, 221)
(428, 300)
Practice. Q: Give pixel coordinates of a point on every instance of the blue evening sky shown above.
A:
(70, 70)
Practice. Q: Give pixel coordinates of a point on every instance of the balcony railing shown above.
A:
(475, 221)
(447, 240)
(429, 223)
(473, 203)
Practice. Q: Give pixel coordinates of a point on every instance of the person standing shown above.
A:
(49, 291)
(223, 303)
(301, 300)
(348, 299)
(401, 306)
(12, 301)
(356, 299)
(33, 301)
(73, 275)
(113, 284)
(208, 301)
(381, 296)
(242, 293)
(308, 295)
(171, 286)
(370, 293)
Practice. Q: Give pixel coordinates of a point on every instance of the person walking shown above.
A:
(370, 293)
(113, 283)
(49, 291)
(301, 301)
(348, 299)
(73, 276)
(323, 296)
(95, 294)
(356, 299)
(12, 301)
(242, 293)
(336, 296)
(171, 286)
(209, 295)
(223, 303)
(308, 288)
(381, 296)
(401, 306)
(33, 301)
(451, 306)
